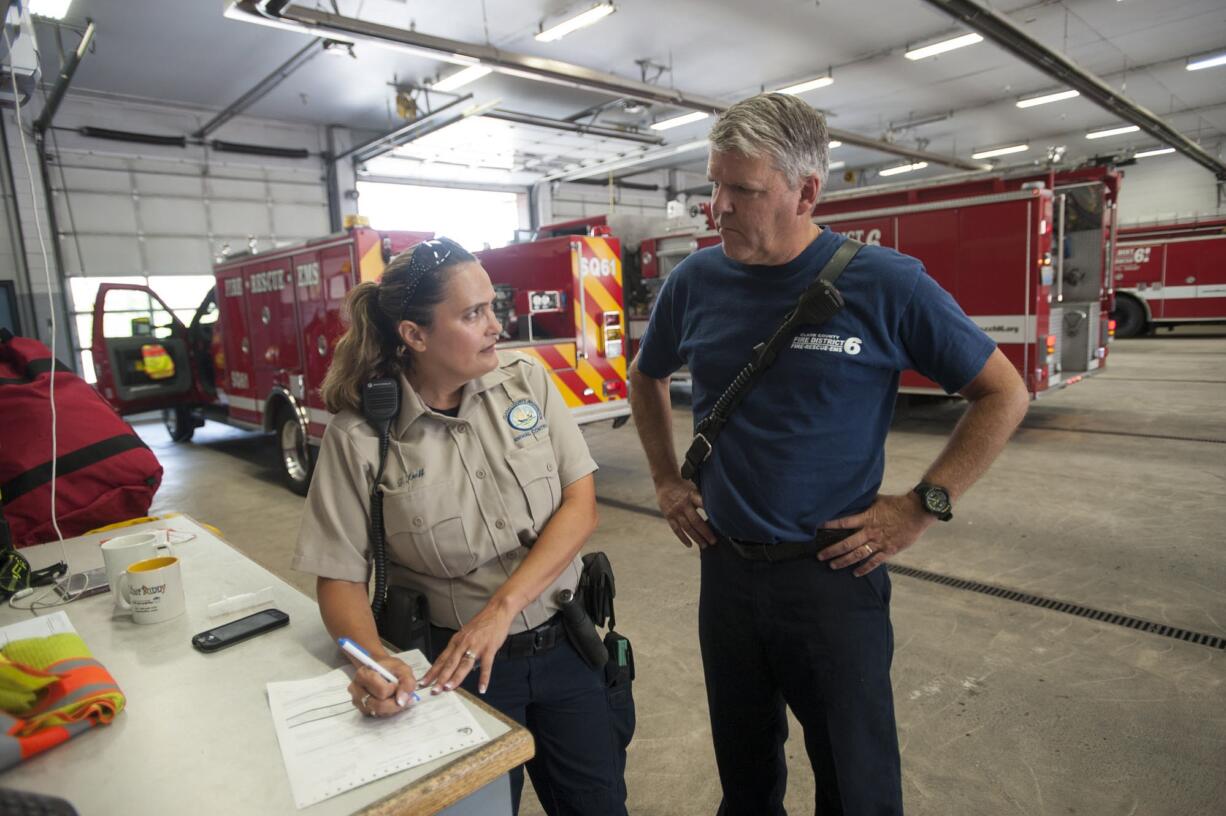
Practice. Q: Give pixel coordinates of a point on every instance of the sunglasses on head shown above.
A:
(430, 255)
(424, 258)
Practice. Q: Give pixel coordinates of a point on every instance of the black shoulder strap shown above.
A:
(820, 302)
(92, 454)
(33, 369)
(839, 261)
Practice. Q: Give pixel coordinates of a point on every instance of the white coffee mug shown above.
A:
(152, 590)
(119, 552)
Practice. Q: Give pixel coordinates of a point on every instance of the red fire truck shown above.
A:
(1027, 258)
(257, 349)
(1167, 274)
(643, 238)
(991, 241)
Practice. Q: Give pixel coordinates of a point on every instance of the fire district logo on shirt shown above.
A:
(524, 415)
(812, 341)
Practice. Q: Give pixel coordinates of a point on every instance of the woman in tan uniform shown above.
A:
(488, 499)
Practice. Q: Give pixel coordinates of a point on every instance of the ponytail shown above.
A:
(363, 353)
(371, 346)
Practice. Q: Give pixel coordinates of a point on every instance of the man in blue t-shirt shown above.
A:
(793, 610)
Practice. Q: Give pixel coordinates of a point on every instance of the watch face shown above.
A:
(936, 500)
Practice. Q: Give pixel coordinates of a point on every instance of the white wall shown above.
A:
(1166, 188)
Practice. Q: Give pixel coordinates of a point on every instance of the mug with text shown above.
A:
(152, 590)
(119, 552)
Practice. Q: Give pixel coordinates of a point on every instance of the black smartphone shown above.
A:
(230, 633)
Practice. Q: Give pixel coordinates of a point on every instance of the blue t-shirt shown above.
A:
(807, 444)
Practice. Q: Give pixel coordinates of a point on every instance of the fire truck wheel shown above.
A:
(179, 423)
(296, 460)
(1129, 317)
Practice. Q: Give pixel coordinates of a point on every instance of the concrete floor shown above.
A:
(1111, 496)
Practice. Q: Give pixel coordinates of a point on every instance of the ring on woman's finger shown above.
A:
(870, 550)
(365, 704)
(469, 654)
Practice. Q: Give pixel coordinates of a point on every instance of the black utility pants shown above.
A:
(819, 641)
(564, 704)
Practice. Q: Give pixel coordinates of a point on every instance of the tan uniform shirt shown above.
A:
(463, 499)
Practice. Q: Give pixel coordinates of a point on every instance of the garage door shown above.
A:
(165, 222)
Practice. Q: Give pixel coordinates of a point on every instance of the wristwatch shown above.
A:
(934, 500)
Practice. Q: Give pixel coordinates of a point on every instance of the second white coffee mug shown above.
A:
(152, 590)
(121, 551)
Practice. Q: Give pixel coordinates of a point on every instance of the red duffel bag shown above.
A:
(104, 472)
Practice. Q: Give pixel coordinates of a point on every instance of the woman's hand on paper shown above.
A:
(375, 696)
(473, 647)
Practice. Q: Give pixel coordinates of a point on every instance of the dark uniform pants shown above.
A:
(819, 641)
(563, 703)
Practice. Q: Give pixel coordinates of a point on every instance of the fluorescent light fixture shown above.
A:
(461, 78)
(592, 15)
(1000, 151)
(678, 121)
(1196, 64)
(837, 165)
(834, 143)
(58, 9)
(1116, 131)
(903, 168)
(810, 85)
(1059, 96)
(941, 47)
(1157, 151)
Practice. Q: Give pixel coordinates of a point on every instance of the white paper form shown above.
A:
(330, 747)
(57, 623)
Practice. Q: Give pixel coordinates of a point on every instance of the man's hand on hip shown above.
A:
(888, 527)
(680, 502)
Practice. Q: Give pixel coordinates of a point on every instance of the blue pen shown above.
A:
(351, 648)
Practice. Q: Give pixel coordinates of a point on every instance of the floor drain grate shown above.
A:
(1114, 618)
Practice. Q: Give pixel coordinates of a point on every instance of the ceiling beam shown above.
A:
(573, 127)
(67, 71)
(613, 165)
(261, 89)
(322, 23)
(426, 123)
(1000, 30)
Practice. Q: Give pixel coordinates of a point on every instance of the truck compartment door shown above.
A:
(273, 323)
(233, 362)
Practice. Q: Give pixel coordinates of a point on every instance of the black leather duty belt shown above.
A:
(784, 550)
(523, 644)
